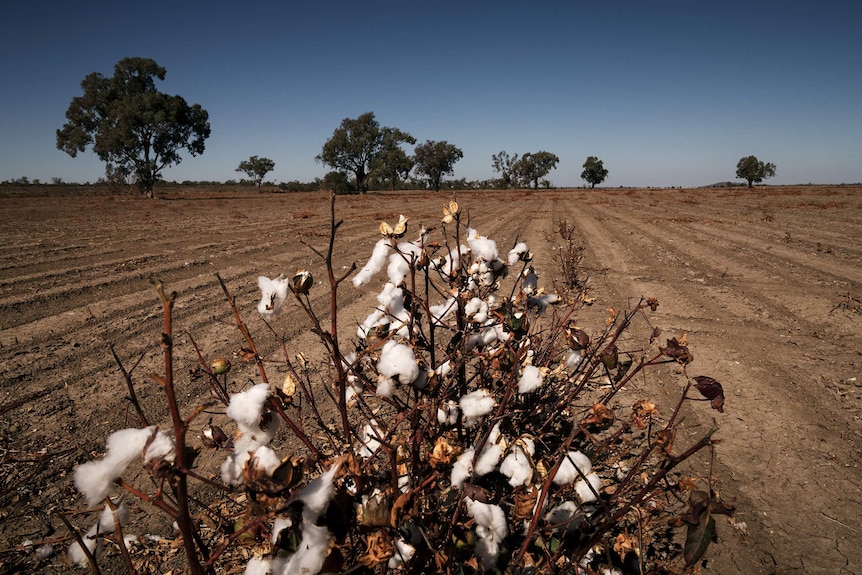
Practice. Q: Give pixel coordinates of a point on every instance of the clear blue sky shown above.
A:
(665, 93)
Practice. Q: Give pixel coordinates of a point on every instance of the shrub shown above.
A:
(474, 426)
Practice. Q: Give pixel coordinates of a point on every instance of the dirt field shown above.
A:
(765, 283)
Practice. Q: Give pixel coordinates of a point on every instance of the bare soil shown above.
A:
(765, 283)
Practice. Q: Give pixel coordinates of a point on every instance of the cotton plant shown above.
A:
(454, 432)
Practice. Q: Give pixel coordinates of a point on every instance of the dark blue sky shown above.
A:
(666, 93)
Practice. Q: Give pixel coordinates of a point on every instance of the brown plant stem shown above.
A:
(118, 529)
(179, 481)
(127, 375)
(94, 567)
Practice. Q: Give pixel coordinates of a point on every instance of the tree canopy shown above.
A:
(753, 170)
(360, 145)
(594, 171)
(533, 167)
(256, 168)
(131, 124)
(504, 164)
(436, 159)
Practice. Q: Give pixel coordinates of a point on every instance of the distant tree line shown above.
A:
(139, 131)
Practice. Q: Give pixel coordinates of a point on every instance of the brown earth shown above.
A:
(765, 283)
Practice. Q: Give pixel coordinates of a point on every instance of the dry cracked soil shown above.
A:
(765, 283)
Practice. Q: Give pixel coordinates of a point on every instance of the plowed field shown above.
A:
(765, 283)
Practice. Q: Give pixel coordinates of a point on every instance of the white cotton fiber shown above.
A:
(273, 292)
(447, 413)
(317, 494)
(516, 253)
(266, 459)
(542, 301)
(309, 556)
(258, 566)
(531, 379)
(583, 488)
(482, 247)
(491, 453)
(518, 465)
(561, 517)
(105, 525)
(369, 439)
(476, 405)
(381, 252)
(246, 408)
(491, 530)
(397, 361)
(462, 469)
(441, 311)
(403, 553)
(568, 470)
(399, 263)
(231, 468)
(94, 478)
(161, 447)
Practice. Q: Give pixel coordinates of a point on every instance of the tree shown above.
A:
(130, 124)
(594, 171)
(256, 169)
(435, 159)
(392, 163)
(533, 167)
(505, 164)
(356, 146)
(751, 169)
(337, 183)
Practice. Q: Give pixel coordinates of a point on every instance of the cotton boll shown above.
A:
(44, 551)
(258, 566)
(310, 555)
(568, 470)
(317, 494)
(403, 553)
(246, 408)
(482, 247)
(399, 263)
(379, 255)
(273, 294)
(583, 488)
(104, 525)
(369, 439)
(462, 469)
(531, 379)
(518, 253)
(518, 464)
(491, 454)
(441, 311)
(162, 447)
(231, 468)
(563, 517)
(447, 413)
(574, 359)
(476, 405)
(531, 281)
(385, 386)
(491, 530)
(476, 310)
(397, 360)
(95, 478)
(542, 301)
(266, 459)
